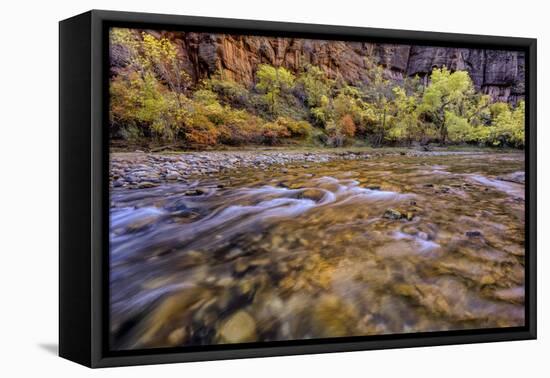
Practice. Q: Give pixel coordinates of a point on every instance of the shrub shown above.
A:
(347, 126)
(201, 131)
(273, 132)
(242, 127)
(131, 134)
(322, 114)
(297, 129)
(138, 101)
(151, 96)
(230, 92)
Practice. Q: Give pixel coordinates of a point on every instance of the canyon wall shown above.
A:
(500, 74)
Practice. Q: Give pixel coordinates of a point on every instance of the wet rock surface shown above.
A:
(285, 252)
(516, 177)
(141, 170)
(146, 170)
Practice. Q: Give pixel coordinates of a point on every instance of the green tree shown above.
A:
(322, 114)
(378, 93)
(274, 82)
(406, 125)
(476, 108)
(317, 86)
(508, 128)
(445, 94)
(459, 129)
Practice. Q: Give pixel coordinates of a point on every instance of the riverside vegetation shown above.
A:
(304, 207)
(155, 101)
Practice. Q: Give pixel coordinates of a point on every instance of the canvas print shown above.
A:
(269, 189)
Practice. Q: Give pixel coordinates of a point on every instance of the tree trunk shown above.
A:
(443, 135)
(382, 129)
(442, 127)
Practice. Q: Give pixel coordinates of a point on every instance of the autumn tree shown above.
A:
(316, 85)
(138, 101)
(317, 89)
(275, 83)
(153, 98)
(154, 84)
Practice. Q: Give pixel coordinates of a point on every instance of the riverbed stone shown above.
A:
(238, 328)
(332, 317)
(241, 265)
(313, 194)
(234, 253)
(178, 336)
(515, 177)
(473, 234)
(392, 214)
(172, 175)
(146, 185)
(195, 192)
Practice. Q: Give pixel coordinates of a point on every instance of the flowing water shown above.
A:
(353, 247)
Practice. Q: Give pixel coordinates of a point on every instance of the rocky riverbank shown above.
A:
(137, 170)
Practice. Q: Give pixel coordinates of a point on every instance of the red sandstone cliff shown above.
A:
(500, 74)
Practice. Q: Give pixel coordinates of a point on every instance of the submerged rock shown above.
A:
(241, 265)
(195, 192)
(516, 177)
(514, 294)
(422, 235)
(333, 317)
(474, 234)
(142, 223)
(146, 184)
(172, 176)
(392, 214)
(234, 252)
(170, 311)
(178, 336)
(313, 194)
(238, 328)
(118, 183)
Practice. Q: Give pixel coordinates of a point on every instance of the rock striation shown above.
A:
(498, 73)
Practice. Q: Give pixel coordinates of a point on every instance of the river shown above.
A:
(395, 244)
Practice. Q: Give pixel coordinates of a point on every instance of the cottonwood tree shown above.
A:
(445, 92)
(154, 84)
(274, 82)
(378, 92)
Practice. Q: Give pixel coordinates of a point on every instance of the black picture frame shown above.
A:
(84, 191)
